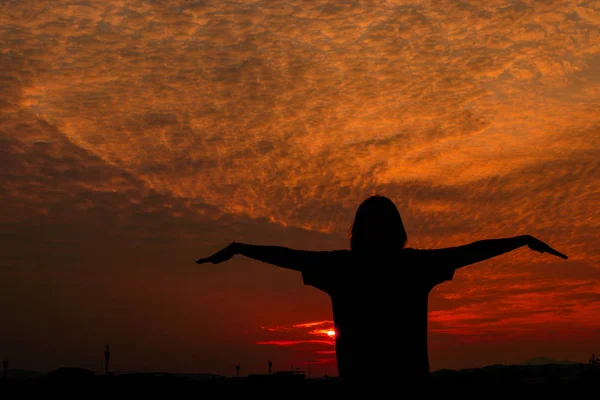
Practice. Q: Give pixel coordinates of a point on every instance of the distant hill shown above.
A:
(498, 376)
(182, 376)
(545, 361)
(71, 373)
(22, 374)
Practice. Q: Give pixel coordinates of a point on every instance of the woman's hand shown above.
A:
(538, 245)
(220, 256)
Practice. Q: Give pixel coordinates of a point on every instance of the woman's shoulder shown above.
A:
(341, 254)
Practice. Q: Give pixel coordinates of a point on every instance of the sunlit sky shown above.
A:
(137, 136)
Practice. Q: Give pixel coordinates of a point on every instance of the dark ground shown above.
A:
(575, 376)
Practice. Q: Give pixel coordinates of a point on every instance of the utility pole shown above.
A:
(237, 371)
(106, 358)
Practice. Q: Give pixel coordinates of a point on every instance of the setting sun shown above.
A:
(329, 332)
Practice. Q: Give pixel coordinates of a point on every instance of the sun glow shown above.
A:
(329, 332)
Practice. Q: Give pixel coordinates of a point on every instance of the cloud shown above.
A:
(296, 342)
(238, 105)
(306, 334)
(313, 324)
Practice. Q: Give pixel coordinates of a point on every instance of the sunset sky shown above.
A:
(137, 136)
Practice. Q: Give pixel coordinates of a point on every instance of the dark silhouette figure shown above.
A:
(379, 289)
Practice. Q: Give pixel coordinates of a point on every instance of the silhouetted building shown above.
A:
(279, 376)
(296, 375)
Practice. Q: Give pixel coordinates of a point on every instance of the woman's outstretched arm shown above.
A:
(481, 250)
(280, 256)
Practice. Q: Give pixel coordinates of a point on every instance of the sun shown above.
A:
(331, 333)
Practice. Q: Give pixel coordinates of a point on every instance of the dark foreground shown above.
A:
(576, 376)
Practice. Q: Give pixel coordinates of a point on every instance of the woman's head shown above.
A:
(377, 226)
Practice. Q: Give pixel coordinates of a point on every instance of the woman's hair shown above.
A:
(377, 226)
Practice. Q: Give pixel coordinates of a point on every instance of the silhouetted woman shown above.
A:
(379, 289)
